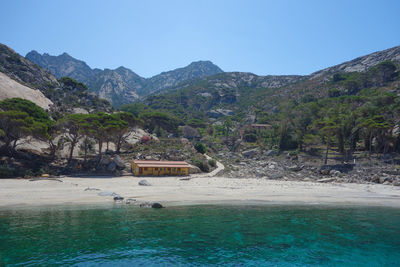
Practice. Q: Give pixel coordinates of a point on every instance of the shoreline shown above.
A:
(171, 191)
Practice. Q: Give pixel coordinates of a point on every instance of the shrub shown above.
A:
(203, 165)
(212, 162)
(7, 171)
(200, 147)
(250, 137)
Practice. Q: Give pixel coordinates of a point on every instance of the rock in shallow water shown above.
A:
(157, 205)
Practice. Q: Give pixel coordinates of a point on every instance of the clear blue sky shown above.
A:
(263, 37)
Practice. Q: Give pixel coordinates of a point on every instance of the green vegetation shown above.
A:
(21, 118)
(200, 147)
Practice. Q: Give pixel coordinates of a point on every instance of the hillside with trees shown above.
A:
(315, 125)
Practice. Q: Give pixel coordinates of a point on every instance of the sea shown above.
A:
(202, 235)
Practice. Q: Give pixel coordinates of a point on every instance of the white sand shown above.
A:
(198, 190)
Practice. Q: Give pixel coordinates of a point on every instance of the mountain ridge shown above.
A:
(120, 85)
(239, 92)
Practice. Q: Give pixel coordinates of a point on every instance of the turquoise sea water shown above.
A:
(201, 235)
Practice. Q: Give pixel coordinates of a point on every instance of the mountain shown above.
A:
(63, 65)
(19, 77)
(195, 70)
(249, 97)
(120, 86)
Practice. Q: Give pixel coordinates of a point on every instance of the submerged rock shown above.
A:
(157, 205)
(130, 200)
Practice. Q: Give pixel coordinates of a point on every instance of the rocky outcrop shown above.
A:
(10, 88)
(250, 153)
(362, 63)
(217, 113)
(108, 164)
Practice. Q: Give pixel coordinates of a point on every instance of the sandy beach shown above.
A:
(198, 190)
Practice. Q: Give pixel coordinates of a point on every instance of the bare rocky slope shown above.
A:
(11, 89)
(362, 63)
(23, 78)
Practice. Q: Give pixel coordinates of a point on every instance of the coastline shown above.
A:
(172, 191)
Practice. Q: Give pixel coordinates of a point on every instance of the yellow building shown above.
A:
(159, 167)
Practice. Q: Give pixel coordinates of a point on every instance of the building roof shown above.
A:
(161, 164)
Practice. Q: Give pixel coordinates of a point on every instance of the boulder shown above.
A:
(105, 160)
(270, 153)
(326, 180)
(295, 168)
(271, 166)
(396, 183)
(156, 205)
(118, 161)
(130, 200)
(144, 183)
(250, 153)
(194, 169)
(184, 141)
(112, 166)
(382, 180)
(217, 113)
(325, 172)
(274, 176)
(118, 198)
(145, 204)
(375, 178)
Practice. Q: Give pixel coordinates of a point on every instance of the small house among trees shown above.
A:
(159, 167)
